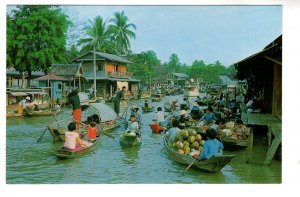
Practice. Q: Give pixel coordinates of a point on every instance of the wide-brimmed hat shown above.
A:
(28, 98)
(209, 108)
(195, 104)
(135, 107)
(182, 112)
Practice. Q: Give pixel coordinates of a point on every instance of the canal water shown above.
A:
(29, 162)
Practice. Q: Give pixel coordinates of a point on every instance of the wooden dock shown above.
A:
(274, 125)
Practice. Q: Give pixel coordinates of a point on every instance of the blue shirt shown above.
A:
(209, 117)
(211, 148)
(172, 132)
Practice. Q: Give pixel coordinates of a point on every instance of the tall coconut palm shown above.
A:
(121, 33)
(98, 36)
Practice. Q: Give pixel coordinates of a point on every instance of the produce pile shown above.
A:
(109, 123)
(187, 141)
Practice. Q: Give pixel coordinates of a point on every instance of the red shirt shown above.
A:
(92, 133)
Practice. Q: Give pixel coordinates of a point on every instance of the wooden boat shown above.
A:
(146, 109)
(231, 143)
(40, 113)
(156, 128)
(192, 91)
(157, 98)
(13, 115)
(130, 140)
(109, 125)
(66, 153)
(214, 164)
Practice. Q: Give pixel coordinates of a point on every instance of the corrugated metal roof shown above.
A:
(181, 75)
(106, 56)
(50, 77)
(14, 72)
(65, 69)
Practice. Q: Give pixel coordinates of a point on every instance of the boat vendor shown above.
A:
(75, 101)
(133, 126)
(73, 139)
(208, 117)
(134, 111)
(211, 147)
(160, 117)
(173, 130)
(146, 104)
(117, 99)
(183, 119)
(22, 105)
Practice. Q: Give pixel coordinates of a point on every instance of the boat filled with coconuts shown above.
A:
(187, 143)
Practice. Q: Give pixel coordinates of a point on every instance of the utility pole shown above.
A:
(95, 85)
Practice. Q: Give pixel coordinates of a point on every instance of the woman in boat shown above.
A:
(160, 117)
(183, 119)
(133, 126)
(208, 117)
(172, 131)
(75, 101)
(73, 139)
(117, 99)
(195, 111)
(134, 111)
(211, 147)
(239, 130)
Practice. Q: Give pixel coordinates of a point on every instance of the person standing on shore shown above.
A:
(117, 100)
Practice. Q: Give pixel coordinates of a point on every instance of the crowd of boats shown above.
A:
(106, 119)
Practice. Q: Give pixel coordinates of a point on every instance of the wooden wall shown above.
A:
(277, 90)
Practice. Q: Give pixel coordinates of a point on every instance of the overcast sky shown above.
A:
(209, 33)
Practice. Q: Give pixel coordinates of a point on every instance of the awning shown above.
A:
(39, 93)
(123, 79)
(18, 93)
(255, 56)
(105, 112)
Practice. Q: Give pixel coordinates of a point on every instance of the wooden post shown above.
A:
(250, 145)
(275, 144)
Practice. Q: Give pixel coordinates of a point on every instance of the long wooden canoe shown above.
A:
(230, 143)
(13, 115)
(108, 126)
(215, 164)
(40, 113)
(145, 109)
(66, 153)
(130, 140)
(156, 128)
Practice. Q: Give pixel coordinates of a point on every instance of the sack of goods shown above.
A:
(187, 141)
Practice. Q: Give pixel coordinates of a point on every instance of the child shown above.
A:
(92, 131)
(211, 147)
(133, 126)
(73, 139)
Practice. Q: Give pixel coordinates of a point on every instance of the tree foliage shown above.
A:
(121, 33)
(36, 36)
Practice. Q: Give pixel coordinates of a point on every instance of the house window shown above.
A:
(100, 66)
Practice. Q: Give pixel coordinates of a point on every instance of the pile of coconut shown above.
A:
(187, 141)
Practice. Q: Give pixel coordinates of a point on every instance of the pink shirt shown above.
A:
(70, 142)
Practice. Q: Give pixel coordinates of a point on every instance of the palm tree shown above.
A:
(121, 33)
(98, 36)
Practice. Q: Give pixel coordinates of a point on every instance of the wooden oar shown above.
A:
(41, 137)
(108, 135)
(190, 164)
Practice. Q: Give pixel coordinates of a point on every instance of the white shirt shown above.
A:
(133, 126)
(160, 116)
(70, 142)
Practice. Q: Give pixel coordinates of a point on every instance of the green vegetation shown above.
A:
(37, 37)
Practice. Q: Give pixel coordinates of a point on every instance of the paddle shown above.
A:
(190, 164)
(41, 137)
(108, 135)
